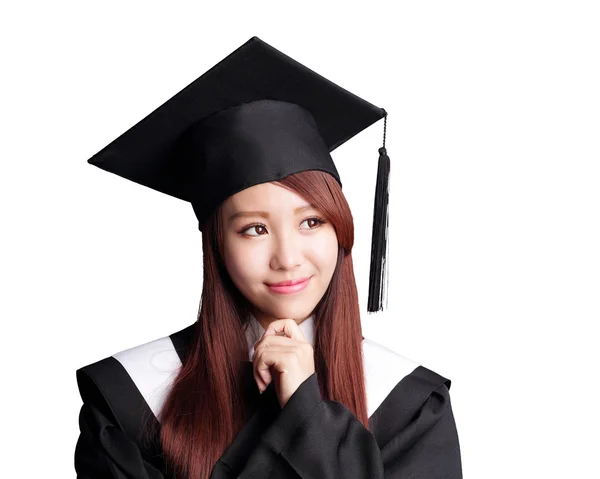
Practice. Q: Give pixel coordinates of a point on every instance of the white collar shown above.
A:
(254, 331)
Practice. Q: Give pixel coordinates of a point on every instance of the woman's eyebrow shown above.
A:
(265, 214)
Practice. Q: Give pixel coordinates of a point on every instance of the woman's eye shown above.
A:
(253, 227)
(316, 223)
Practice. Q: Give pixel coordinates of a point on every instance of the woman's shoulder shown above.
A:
(143, 372)
(390, 376)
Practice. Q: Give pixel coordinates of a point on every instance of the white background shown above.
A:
(493, 135)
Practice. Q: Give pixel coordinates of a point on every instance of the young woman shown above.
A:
(274, 378)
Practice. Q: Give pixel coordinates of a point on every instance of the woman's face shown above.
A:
(287, 243)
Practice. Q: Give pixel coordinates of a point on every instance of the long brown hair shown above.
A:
(205, 407)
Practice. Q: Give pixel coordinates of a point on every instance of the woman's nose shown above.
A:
(287, 252)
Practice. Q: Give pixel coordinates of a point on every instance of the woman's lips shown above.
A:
(294, 288)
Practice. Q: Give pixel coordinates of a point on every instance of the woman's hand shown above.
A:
(284, 353)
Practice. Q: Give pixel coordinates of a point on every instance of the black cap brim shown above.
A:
(147, 152)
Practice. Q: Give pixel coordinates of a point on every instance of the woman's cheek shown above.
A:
(246, 261)
(325, 249)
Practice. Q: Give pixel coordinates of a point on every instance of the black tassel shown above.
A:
(378, 276)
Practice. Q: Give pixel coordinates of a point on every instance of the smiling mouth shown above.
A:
(290, 282)
(298, 285)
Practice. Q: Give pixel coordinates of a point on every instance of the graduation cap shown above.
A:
(256, 116)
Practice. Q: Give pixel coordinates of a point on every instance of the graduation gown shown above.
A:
(412, 432)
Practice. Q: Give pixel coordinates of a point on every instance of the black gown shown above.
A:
(412, 433)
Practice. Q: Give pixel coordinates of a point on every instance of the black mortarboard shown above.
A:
(256, 116)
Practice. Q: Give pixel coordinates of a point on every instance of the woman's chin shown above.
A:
(298, 313)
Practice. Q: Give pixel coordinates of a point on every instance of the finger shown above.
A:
(263, 371)
(288, 327)
(262, 362)
(276, 341)
(260, 382)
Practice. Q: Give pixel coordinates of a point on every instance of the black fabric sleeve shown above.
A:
(428, 447)
(103, 450)
(322, 439)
